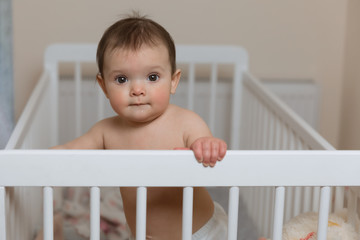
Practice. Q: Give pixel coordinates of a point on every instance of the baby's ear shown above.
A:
(101, 83)
(175, 81)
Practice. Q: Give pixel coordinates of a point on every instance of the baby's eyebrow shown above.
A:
(155, 67)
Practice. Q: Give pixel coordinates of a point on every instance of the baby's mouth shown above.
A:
(138, 104)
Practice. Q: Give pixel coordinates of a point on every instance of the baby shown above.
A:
(137, 72)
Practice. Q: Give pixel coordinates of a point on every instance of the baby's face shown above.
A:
(138, 83)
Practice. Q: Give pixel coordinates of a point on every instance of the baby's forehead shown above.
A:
(133, 49)
(129, 51)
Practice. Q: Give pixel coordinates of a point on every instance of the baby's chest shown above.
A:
(162, 140)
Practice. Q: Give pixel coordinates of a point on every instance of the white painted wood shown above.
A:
(339, 198)
(288, 203)
(352, 203)
(141, 213)
(54, 89)
(25, 120)
(233, 213)
(48, 214)
(323, 213)
(39, 166)
(267, 211)
(240, 67)
(191, 86)
(213, 85)
(297, 201)
(78, 102)
(295, 122)
(306, 199)
(95, 213)
(100, 102)
(316, 199)
(187, 216)
(278, 213)
(2, 214)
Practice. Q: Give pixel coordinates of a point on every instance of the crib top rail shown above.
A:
(71, 52)
(177, 168)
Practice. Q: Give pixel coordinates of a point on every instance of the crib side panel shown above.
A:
(268, 124)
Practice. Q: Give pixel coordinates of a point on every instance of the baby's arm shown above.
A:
(207, 149)
(93, 139)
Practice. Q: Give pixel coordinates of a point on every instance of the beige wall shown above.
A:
(285, 39)
(350, 130)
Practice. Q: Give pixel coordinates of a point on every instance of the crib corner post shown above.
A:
(2, 214)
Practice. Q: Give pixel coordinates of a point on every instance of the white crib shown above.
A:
(276, 184)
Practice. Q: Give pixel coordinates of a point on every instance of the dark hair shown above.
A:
(131, 33)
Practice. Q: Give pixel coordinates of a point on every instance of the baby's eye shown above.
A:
(153, 77)
(121, 79)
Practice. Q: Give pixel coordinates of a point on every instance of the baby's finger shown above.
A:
(214, 153)
(222, 151)
(206, 152)
(197, 149)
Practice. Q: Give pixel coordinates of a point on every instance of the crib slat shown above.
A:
(306, 199)
(339, 198)
(323, 213)
(267, 210)
(54, 115)
(236, 108)
(141, 213)
(297, 201)
(48, 214)
(95, 214)
(213, 85)
(100, 102)
(315, 200)
(352, 207)
(191, 86)
(187, 213)
(278, 212)
(2, 214)
(78, 97)
(233, 213)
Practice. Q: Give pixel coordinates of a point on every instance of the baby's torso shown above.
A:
(164, 211)
(164, 205)
(165, 133)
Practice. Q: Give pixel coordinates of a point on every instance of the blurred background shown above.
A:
(315, 40)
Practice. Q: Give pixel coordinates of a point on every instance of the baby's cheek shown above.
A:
(161, 97)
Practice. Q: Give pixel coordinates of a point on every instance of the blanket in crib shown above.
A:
(72, 215)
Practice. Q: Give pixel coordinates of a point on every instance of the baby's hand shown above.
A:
(209, 150)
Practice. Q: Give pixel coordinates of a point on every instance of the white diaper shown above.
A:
(215, 228)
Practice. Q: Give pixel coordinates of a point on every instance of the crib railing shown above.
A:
(49, 168)
(259, 121)
(269, 124)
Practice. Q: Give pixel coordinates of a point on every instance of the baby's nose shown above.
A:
(137, 89)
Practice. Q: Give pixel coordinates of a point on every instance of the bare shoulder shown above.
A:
(106, 123)
(92, 139)
(185, 115)
(192, 125)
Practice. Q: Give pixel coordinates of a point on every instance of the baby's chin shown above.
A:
(141, 118)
